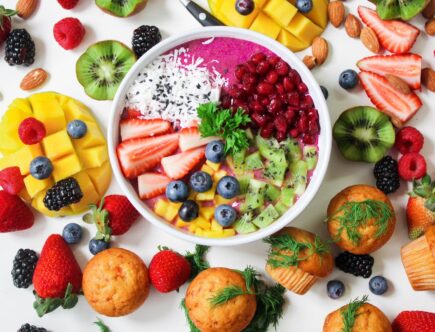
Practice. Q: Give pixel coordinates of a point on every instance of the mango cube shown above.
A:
(319, 13)
(57, 145)
(214, 166)
(25, 195)
(10, 142)
(208, 195)
(172, 211)
(23, 105)
(22, 158)
(281, 11)
(198, 231)
(290, 41)
(47, 109)
(229, 232)
(101, 177)
(220, 200)
(93, 137)
(193, 227)
(93, 157)
(265, 25)
(160, 207)
(76, 111)
(35, 186)
(181, 223)
(90, 195)
(202, 223)
(207, 169)
(219, 175)
(66, 167)
(303, 29)
(216, 227)
(207, 212)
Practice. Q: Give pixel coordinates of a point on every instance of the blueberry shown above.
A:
(325, 92)
(96, 246)
(41, 168)
(177, 191)
(77, 129)
(348, 79)
(245, 7)
(201, 181)
(72, 233)
(228, 187)
(189, 210)
(215, 151)
(225, 215)
(335, 289)
(378, 285)
(304, 6)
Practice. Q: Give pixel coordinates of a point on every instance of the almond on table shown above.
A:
(34, 79)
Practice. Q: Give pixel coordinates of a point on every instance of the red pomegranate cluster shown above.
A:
(275, 97)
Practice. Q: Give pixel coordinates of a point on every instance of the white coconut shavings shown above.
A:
(173, 86)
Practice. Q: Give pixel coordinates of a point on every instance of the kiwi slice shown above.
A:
(121, 8)
(404, 9)
(102, 67)
(363, 134)
(410, 8)
(388, 9)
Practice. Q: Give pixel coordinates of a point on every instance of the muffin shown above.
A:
(357, 316)
(418, 258)
(297, 259)
(231, 316)
(115, 282)
(361, 219)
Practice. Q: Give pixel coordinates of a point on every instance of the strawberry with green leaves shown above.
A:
(420, 211)
(5, 22)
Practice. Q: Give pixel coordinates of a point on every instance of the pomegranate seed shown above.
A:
(294, 132)
(249, 87)
(265, 101)
(256, 106)
(279, 88)
(240, 72)
(312, 114)
(313, 127)
(267, 130)
(281, 136)
(293, 99)
(308, 139)
(226, 101)
(249, 78)
(235, 92)
(251, 66)
(265, 88)
(288, 85)
(258, 57)
(308, 102)
(263, 67)
(282, 68)
(240, 103)
(302, 88)
(281, 124)
(272, 77)
(273, 59)
(275, 105)
(294, 76)
(290, 115)
(259, 119)
(303, 124)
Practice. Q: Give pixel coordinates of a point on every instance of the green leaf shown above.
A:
(47, 305)
(349, 313)
(430, 204)
(226, 294)
(192, 327)
(197, 261)
(103, 327)
(70, 299)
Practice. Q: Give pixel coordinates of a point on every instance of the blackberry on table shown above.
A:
(386, 173)
(31, 328)
(358, 265)
(144, 38)
(388, 184)
(63, 193)
(20, 48)
(23, 267)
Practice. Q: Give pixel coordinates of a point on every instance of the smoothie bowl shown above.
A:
(219, 136)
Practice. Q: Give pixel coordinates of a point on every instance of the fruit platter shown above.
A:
(217, 165)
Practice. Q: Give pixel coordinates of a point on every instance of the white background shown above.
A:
(161, 312)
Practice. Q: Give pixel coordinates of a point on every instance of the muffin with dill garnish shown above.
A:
(297, 259)
(361, 219)
(357, 316)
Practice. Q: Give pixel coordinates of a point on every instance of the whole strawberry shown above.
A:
(57, 277)
(420, 211)
(15, 215)
(114, 216)
(11, 180)
(414, 321)
(68, 4)
(5, 22)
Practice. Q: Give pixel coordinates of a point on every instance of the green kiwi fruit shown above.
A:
(121, 8)
(403, 9)
(388, 9)
(102, 67)
(363, 134)
(410, 8)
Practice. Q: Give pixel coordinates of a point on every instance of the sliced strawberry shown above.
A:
(131, 113)
(191, 138)
(139, 155)
(405, 66)
(179, 165)
(135, 128)
(398, 106)
(152, 185)
(395, 36)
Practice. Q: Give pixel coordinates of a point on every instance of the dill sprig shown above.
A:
(192, 327)
(103, 327)
(349, 313)
(356, 214)
(285, 251)
(197, 260)
(227, 294)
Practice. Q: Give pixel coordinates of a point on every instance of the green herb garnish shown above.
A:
(192, 327)
(292, 250)
(356, 214)
(46, 305)
(226, 124)
(197, 261)
(227, 294)
(103, 327)
(349, 313)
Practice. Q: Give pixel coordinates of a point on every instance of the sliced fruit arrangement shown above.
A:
(59, 150)
(121, 8)
(293, 23)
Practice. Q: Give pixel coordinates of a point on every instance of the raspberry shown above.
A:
(69, 32)
(409, 139)
(31, 131)
(68, 4)
(412, 166)
(11, 180)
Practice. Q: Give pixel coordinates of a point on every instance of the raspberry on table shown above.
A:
(412, 166)
(31, 131)
(69, 33)
(409, 139)
(68, 4)
(11, 180)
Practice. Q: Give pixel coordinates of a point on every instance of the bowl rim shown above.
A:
(325, 138)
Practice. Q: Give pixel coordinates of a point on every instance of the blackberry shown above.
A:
(388, 184)
(31, 328)
(386, 173)
(23, 267)
(63, 193)
(20, 48)
(358, 265)
(144, 38)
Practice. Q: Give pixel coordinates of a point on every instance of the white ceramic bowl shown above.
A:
(315, 92)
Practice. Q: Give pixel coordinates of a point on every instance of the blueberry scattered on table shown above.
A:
(72, 233)
(335, 289)
(97, 246)
(177, 191)
(325, 92)
(378, 285)
(225, 215)
(348, 79)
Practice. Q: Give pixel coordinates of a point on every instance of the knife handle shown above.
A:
(202, 16)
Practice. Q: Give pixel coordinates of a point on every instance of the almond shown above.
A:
(370, 40)
(25, 8)
(429, 10)
(398, 84)
(428, 78)
(33, 79)
(353, 26)
(320, 50)
(429, 27)
(336, 13)
(309, 61)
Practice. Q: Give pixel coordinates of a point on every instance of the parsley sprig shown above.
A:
(349, 313)
(226, 124)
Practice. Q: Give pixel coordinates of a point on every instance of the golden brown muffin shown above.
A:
(367, 318)
(361, 219)
(232, 316)
(418, 258)
(115, 282)
(297, 270)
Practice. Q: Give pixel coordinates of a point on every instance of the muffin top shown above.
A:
(294, 247)
(361, 219)
(229, 316)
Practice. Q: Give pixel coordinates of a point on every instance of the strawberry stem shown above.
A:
(47, 305)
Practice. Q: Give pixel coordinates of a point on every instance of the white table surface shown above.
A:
(161, 312)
